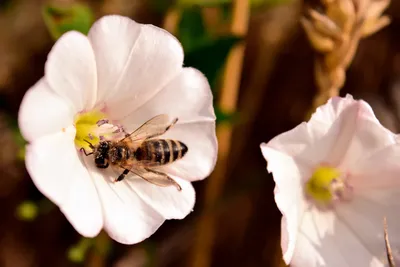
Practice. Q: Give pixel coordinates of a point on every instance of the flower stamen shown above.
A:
(328, 185)
(92, 126)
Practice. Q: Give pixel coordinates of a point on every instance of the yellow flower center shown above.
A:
(87, 128)
(326, 185)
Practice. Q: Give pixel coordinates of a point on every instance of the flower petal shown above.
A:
(336, 134)
(168, 201)
(299, 143)
(56, 170)
(368, 137)
(202, 145)
(34, 118)
(127, 218)
(379, 170)
(289, 196)
(187, 97)
(364, 217)
(70, 70)
(337, 122)
(195, 127)
(325, 240)
(134, 62)
(353, 128)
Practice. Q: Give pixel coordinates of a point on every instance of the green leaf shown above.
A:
(77, 253)
(211, 57)
(160, 6)
(102, 244)
(224, 117)
(60, 19)
(17, 136)
(191, 29)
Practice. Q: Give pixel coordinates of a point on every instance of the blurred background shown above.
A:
(260, 64)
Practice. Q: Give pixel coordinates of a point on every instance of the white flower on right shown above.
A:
(337, 176)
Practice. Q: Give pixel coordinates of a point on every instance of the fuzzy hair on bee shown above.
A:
(141, 152)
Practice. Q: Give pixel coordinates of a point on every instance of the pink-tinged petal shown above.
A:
(70, 70)
(187, 97)
(339, 119)
(325, 133)
(324, 239)
(168, 201)
(34, 118)
(379, 170)
(58, 173)
(195, 127)
(289, 196)
(134, 62)
(202, 145)
(368, 138)
(113, 39)
(127, 218)
(364, 216)
(338, 133)
(300, 143)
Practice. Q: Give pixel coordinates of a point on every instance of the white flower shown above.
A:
(337, 176)
(128, 73)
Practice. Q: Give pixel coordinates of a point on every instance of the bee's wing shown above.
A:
(154, 127)
(154, 177)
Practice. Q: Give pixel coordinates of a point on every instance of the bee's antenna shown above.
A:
(90, 144)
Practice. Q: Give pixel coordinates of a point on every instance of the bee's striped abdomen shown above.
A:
(162, 151)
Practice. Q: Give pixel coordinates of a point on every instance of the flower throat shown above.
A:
(328, 186)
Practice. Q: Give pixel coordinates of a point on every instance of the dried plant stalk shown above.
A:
(227, 102)
(335, 35)
(171, 20)
(388, 248)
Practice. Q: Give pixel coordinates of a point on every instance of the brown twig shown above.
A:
(171, 20)
(335, 35)
(99, 253)
(387, 244)
(227, 102)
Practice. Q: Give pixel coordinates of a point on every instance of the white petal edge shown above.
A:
(53, 163)
(70, 70)
(202, 145)
(325, 240)
(168, 201)
(127, 218)
(368, 136)
(379, 170)
(187, 97)
(34, 118)
(288, 176)
(134, 62)
(365, 215)
(337, 134)
(300, 142)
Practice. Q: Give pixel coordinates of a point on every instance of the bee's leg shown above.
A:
(122, 176)
(101, 122)
(84, 151)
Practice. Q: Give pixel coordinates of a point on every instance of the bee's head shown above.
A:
(101, 154)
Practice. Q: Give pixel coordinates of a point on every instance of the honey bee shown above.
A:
(141, 151)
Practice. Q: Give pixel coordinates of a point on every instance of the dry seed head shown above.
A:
(335, 35)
